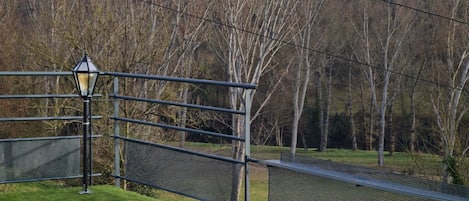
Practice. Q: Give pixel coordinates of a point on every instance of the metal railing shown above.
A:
(116, 97)
(245, 139)
(24, 159)
(42, 163)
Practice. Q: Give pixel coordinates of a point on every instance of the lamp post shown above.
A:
(86, 75)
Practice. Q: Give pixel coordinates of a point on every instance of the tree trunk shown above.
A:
(320, 99)
(392, 136)
(412, 124)
(296, 117)
(363, 120)
(278, 134)
(305, 144)
(183, 115)
(382, 127)
(371, 131)
(326, 107)
(412, 109)
(238, 153)
(350, 112)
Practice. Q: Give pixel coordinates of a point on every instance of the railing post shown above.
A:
(116, 134)
(247, 143)
(90, 140)
(86, 124)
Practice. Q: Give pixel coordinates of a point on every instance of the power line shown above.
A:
(426, 12)
(217, 22)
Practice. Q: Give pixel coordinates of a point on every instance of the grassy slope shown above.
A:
(412, 164)
(99, 193)
(419, 164)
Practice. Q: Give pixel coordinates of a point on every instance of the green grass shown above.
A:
(99, 193)
(419, 164)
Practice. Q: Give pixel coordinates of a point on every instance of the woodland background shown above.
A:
(357, 74)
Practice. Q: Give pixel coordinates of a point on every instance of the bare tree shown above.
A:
(448, 101)
(390, 38)
(364, 53)
(310, 11)
(324, 102)
(253, 39)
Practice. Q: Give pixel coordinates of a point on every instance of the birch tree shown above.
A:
(448, 100)
(388, 39)
(361, 27)
(310, 11)
(252, 40)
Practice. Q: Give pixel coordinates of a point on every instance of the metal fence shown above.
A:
(33, 155)
(194, 173)
(296, 177)
(53, 156)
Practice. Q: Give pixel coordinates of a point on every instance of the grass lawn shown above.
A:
(99, 193)
(419, 164)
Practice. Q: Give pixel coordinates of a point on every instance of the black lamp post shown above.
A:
(86, 75)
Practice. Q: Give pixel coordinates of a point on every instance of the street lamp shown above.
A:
(86, 75)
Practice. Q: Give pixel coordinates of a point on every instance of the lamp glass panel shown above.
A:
(83, 81)
(92, 82)
(87, 82)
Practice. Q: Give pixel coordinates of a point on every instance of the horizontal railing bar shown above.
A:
(17, 96)
(35, 73)
(39, 96)
(186, 151)
(45, 118)
(132, 75)
(46, 138)
(46, 179)
(254, 160)
(178, 128)
(178, 79)
(203, 107)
